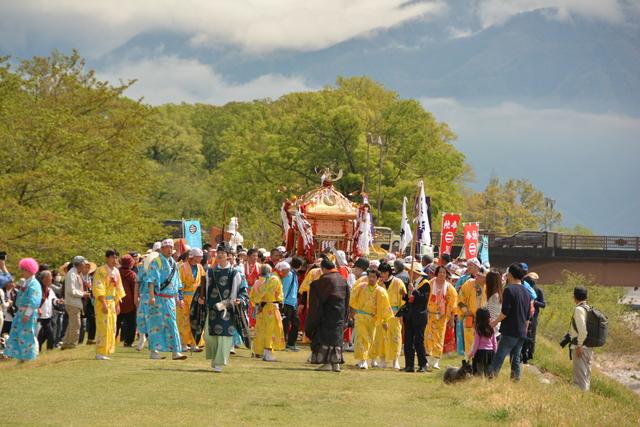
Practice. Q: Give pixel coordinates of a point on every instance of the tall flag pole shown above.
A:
(422, 218)
(406, 236)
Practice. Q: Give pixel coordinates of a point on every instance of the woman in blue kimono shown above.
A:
(22, 344)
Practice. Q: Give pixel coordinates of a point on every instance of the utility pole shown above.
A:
(366, 177)
(548, 217)
(380, 145)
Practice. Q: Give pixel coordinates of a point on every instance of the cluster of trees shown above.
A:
(85, 168)
(511, 206)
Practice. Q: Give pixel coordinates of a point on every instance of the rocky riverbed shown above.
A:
(625, 368)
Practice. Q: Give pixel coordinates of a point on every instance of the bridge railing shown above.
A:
(533, 239)
(603, 243)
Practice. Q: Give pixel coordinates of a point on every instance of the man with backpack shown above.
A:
(581, 353)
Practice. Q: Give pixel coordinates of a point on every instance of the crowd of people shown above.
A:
(217, 298)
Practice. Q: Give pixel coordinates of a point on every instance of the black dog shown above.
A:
(452, 375)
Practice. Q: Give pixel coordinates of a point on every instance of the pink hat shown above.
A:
(29, 264)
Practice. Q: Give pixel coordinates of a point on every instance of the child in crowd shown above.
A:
(484, 343)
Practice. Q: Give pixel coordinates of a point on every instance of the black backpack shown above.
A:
(597, 327)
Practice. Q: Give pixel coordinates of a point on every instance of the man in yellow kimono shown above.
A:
(387, 343)
(471, 297)
(442, 301)
(191, 275)
(108, 292)
(371, 308)
(269, 332)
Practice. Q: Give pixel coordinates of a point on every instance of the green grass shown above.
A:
(70, 388)
(554, 320)
(554, 323)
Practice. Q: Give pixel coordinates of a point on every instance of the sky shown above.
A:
(260, 28)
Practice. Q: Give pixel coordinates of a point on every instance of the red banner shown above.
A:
(450, 223)
(471, 233)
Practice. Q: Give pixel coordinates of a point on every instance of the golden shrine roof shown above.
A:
(326, 202)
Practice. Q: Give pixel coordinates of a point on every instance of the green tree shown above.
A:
(268, 150)
(509, 207)
(578, 229)
(72, 161)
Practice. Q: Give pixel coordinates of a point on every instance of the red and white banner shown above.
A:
(450, 223)
(471, 234)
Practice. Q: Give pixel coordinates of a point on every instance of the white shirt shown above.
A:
(47, 305)
(5, 308)
(2, 305)
(495, 308)
(73, 288)
(580, 318)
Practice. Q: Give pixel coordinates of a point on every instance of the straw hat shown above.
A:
(533, 275)
(92, 267)
(63, 268)
(415, 267)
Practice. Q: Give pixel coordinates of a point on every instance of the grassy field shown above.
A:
(555, 319)
(554, 323)
(70, 388)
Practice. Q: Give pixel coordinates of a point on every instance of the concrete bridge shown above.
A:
(609, 260)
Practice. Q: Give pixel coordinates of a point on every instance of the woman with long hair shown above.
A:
(494, 295)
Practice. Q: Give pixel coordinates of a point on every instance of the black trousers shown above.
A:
(529, 346)
(46, 334)
(126, 324)
(6, 327)
(290, 321)
(90, 313)
(414, 343)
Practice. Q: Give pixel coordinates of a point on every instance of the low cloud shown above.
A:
(587, 162)
(169, 79)
(101, 25)
(493, 12)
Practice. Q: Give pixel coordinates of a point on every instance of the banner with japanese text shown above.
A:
(193, 233)
(450, 223)
(471, 235)
(484, 249)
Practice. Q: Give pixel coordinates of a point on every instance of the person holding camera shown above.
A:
(5, 276)
(8, 306)
(581, 355)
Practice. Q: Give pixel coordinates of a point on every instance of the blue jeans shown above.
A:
(513, 347)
